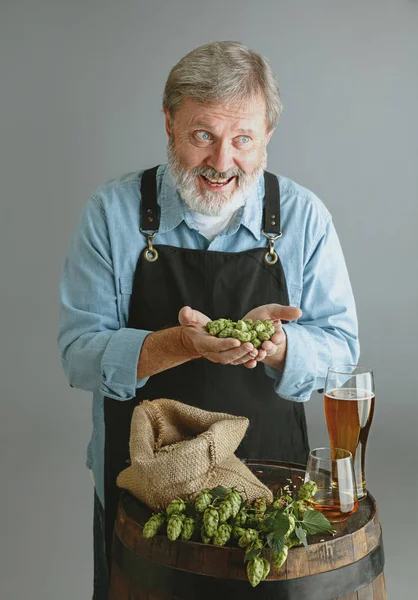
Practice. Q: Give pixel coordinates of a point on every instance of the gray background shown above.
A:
(81, 83)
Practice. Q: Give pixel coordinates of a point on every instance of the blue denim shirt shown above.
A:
(100, 354)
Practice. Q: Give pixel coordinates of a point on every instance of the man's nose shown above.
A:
(221, 157)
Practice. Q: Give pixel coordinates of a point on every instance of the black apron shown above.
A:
(219, 284)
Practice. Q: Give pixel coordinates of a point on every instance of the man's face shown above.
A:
(216, 153)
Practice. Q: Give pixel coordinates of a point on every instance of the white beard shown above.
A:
(209, 203)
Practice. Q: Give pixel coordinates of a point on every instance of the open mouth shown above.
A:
(216, 183)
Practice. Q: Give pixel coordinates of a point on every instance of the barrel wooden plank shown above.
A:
(119, 584)
(365, 593)
(360, 547)
(297, 563)
(329, 556)
(379, 587)
(372, 531)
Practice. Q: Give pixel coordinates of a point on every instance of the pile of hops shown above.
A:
(244, 330)
(220, 516)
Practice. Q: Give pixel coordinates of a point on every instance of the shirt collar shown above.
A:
(174, 210)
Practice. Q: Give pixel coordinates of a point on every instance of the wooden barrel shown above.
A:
(348, 565)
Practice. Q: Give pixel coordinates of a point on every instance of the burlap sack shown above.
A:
(177, 450)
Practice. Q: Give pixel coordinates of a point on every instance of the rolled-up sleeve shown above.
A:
(327, 332)
(97, 353)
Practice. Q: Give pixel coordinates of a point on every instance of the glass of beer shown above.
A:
(332, 470)
(349, 399)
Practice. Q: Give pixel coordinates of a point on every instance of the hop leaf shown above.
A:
(315, 522)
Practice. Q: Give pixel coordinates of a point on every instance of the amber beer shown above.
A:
(349, 413)
(335, 506)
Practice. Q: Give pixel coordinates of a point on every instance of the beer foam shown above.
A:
(350, 394)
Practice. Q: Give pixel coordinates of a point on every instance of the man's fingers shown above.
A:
(275, 312)
(245, 358)
(250, 364)
(188, 316)
(283, 313)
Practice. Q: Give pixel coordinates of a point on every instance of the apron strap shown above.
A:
(271, 217)
(150, 211)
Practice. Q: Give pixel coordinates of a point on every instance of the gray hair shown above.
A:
(226, 72)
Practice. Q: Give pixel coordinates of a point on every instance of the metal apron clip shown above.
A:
(271, 256)
(150, 253)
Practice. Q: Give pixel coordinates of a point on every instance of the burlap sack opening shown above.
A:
(177, 450)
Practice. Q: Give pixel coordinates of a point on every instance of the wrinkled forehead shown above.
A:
(248, 113)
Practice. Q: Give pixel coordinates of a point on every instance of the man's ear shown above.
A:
(270, 133)
(167, 122)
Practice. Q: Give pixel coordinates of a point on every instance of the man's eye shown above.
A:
(203, 135)
(244, 139)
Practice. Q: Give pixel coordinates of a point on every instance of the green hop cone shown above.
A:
(281, 501)
(174, 527)
(259, 326)
(301, 507)
(225, 511)
(249, 323)
(253, 520)
(189, 525)
(215, 327)
(254, 335)
(263, 336)
(202, 501)
(237, 532)
(211, 521)
(153, 525)
(291, 526)
(257, 544)
(256, 343)
(176, 506)
(250, 535)
(267, 567)
(293, 540)
(307, 490)
(235, 499)
(260, 505)
(242, 336)
(222, 535)
(206, 539)
(242, 325)
(226, 333)
(255, 571)
(279, 558)
(240, 518)
(269, 327)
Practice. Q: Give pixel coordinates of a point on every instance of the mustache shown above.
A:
(214, 174)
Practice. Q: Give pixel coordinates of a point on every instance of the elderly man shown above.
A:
(158, 253)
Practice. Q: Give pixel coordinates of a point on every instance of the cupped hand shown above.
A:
(199, 344)
(277, 345)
